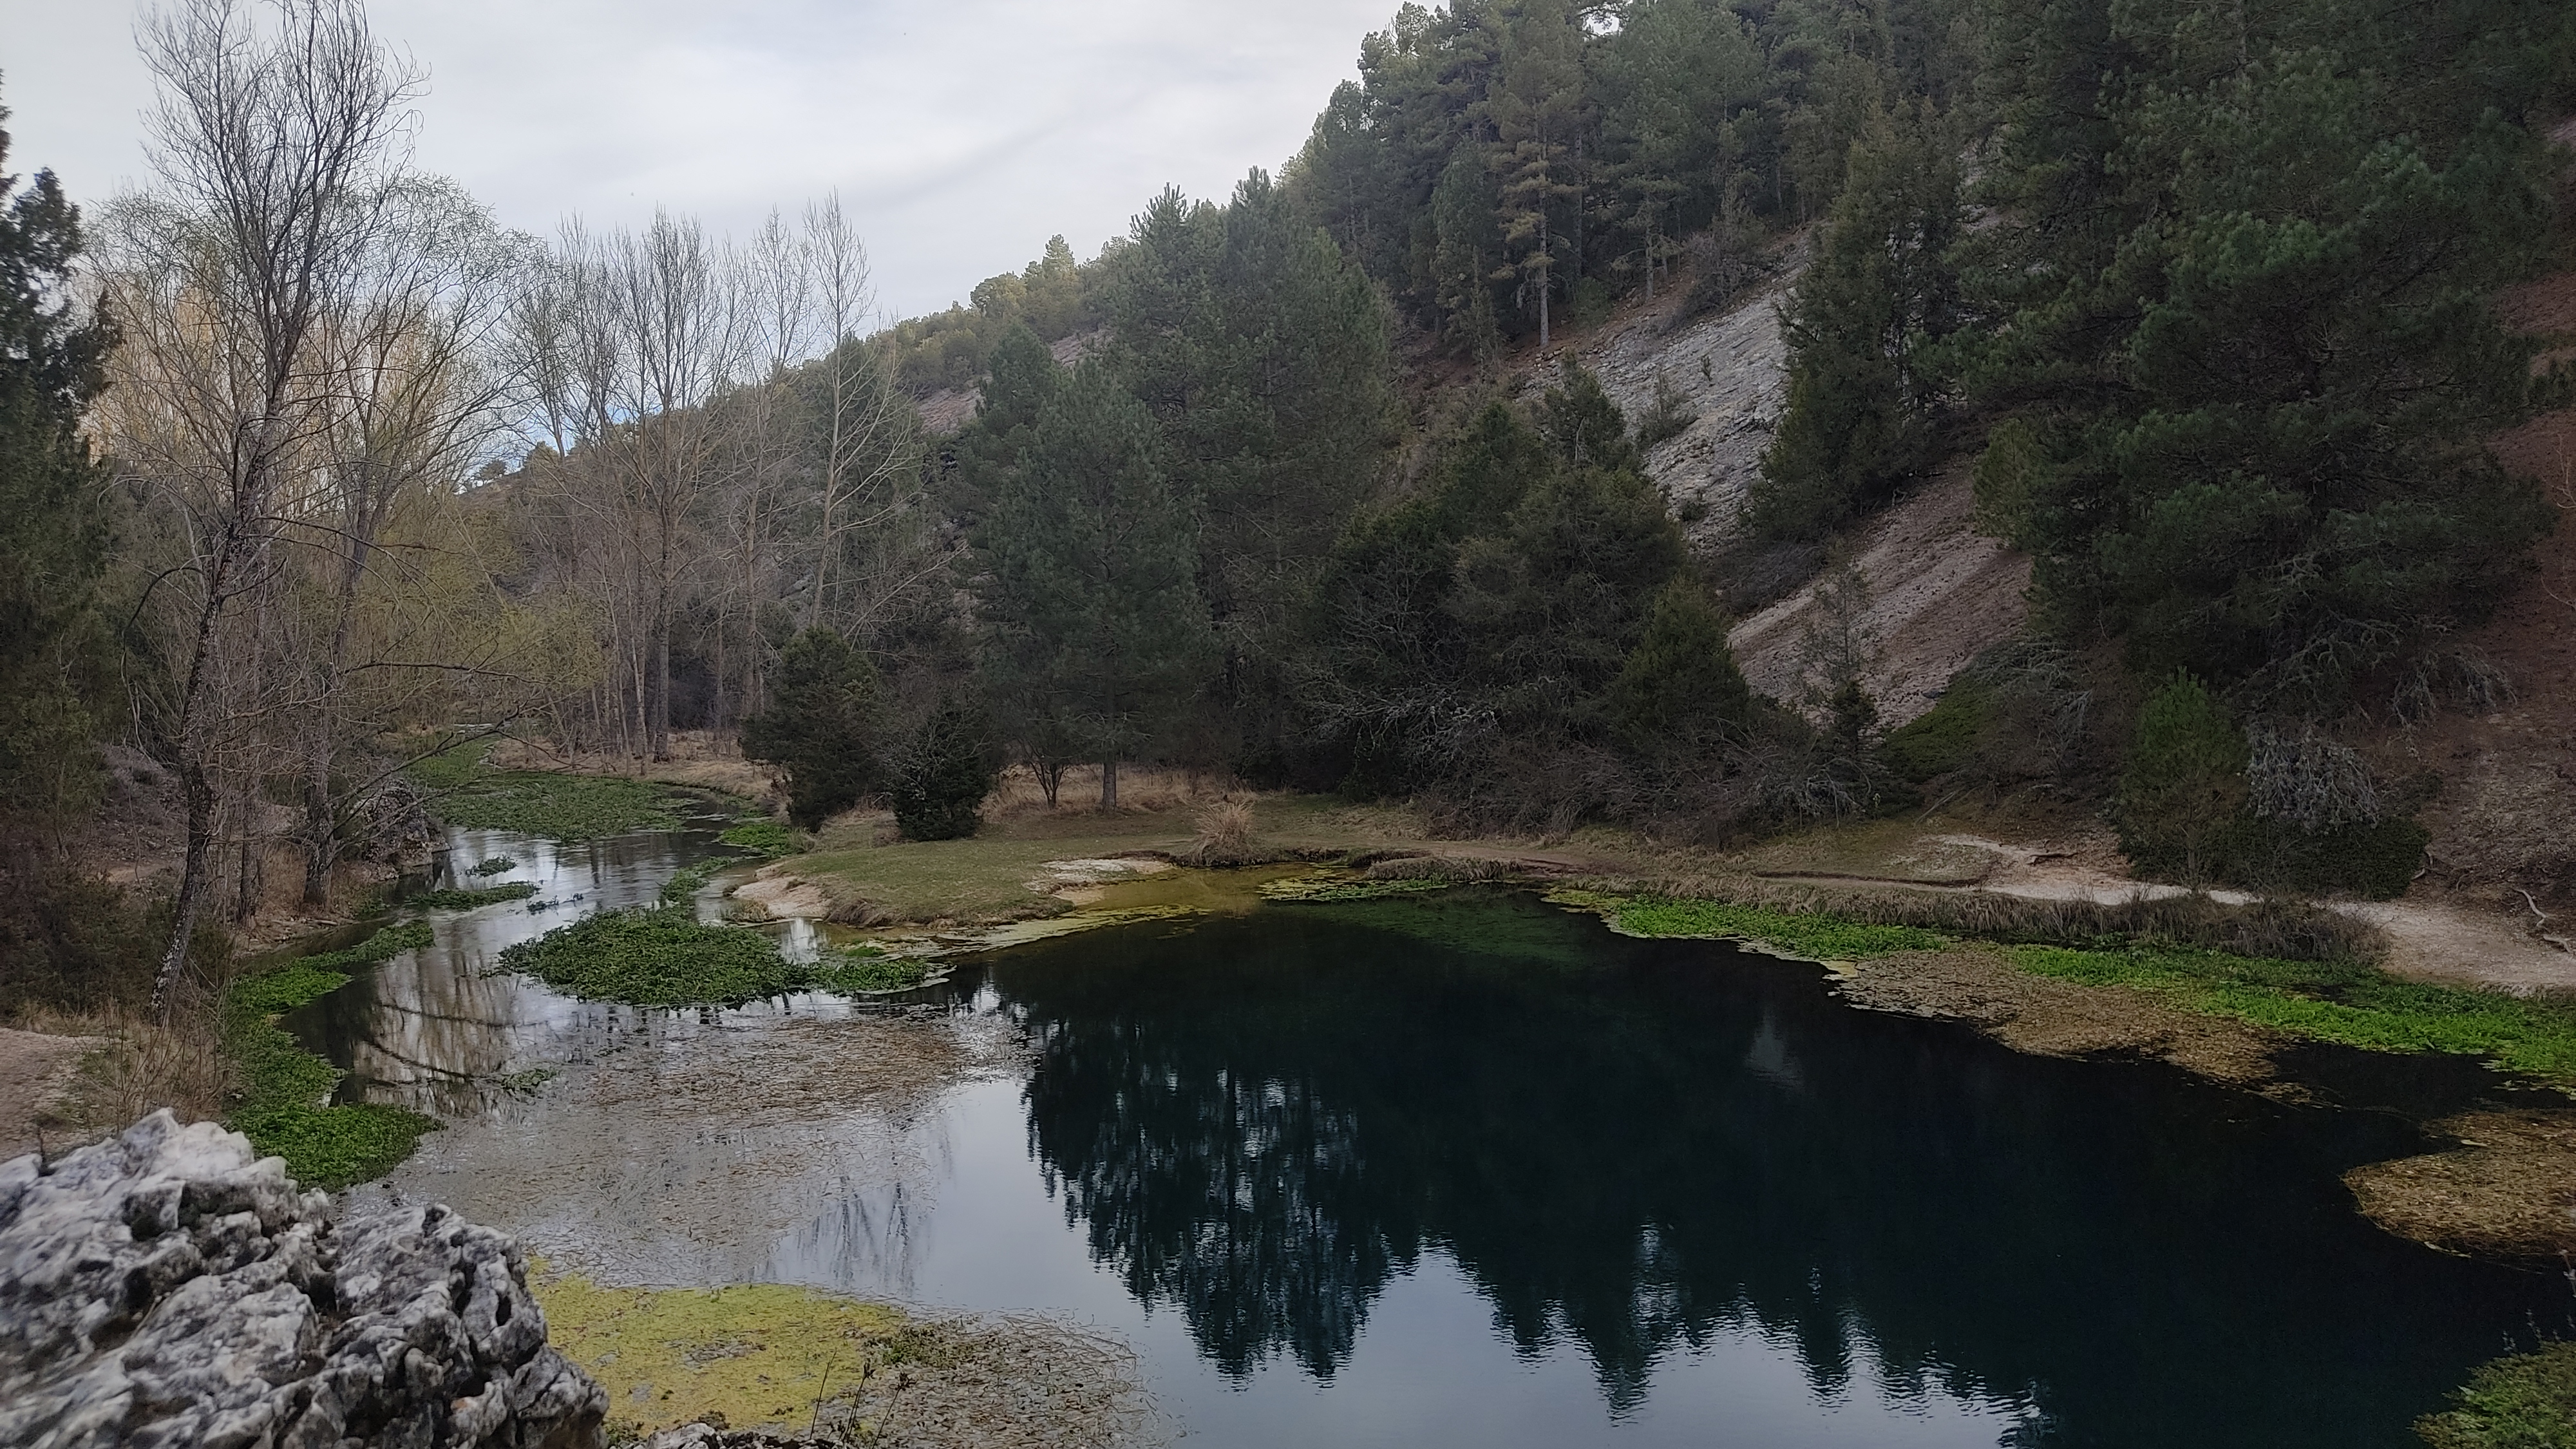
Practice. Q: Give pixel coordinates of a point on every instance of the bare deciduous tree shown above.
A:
(276, 136)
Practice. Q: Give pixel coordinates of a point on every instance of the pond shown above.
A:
(1457, 1169)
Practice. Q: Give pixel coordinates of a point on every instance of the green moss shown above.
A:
(2350, 1004)
(1821, 938)
(280, 1106)
(765, 837)
(468, 900)
(2527, 1401)
(657, 957)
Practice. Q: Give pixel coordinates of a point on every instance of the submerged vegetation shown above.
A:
(282, 1087)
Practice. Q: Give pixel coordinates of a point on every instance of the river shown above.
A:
(1457, 1169)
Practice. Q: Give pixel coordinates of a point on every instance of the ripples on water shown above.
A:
(1462, 1170)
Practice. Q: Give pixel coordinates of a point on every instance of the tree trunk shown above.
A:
(248, 883)
(1109, 784)
(196, 742)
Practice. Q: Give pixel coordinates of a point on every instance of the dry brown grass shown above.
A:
(137, 1065)
(1142, 790)
(703, 759)
(1225, 833)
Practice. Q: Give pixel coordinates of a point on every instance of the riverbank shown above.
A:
(2020, 926)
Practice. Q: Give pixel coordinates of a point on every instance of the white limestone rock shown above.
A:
(169, 1288)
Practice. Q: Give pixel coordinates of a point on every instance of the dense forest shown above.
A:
(310, 470)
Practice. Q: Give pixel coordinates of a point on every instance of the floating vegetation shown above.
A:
(657, 956)
(493, 865)
(455, 900)
(283, 1086)
(768, 1355)
(1331, 888)
(765, 838)
(864, 969)
(468, 792)
(684, 885)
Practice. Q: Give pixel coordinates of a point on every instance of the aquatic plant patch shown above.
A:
(281, 1107)
(766, 838)
(657, 956)
(466, 900)
(2525, 1401)
(684, 885)
(467, 792)
(1817, 937)
(494, 865)
(867, 969)
(2350, 1004)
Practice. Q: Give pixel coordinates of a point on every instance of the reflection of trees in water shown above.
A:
(1241, 1200)
(1262, 1122)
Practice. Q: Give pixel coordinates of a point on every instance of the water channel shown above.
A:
(1457, 1169)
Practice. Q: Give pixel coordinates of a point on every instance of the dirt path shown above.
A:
(34, 1071)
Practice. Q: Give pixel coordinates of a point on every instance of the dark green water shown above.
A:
(1635, 1152)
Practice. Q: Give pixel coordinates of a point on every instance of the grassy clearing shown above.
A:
(2527, 1401)
(986, 879)
(282, 1086)
(657, 956)
(2350, 1004)
(459, 900)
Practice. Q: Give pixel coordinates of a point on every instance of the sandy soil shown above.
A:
(36, 1072)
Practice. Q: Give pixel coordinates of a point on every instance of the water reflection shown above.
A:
(1638, 1150)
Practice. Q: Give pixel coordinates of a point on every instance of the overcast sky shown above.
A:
(961, 134)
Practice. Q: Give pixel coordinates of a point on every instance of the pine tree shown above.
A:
(1867, 314)
(1679, 694)
(1097, 631)
(54, 534)
(821, 726)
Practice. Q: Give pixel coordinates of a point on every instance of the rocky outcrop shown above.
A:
(169, 1288)
(1729, 371)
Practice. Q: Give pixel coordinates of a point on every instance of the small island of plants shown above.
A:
(665, 956)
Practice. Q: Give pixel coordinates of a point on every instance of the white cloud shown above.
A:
(960, 135)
